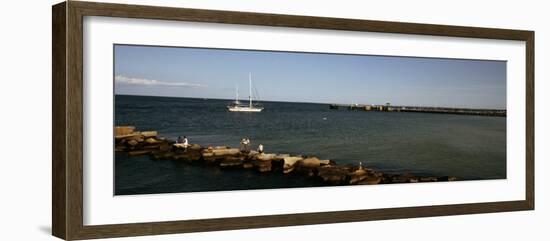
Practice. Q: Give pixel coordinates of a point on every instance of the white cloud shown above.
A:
(121, 79)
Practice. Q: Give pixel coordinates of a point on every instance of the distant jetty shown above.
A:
(421, 109)
(137, 143)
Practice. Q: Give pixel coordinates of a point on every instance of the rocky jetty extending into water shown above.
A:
(134, 143)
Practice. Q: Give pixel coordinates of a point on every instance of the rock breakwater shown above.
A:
(135, 143)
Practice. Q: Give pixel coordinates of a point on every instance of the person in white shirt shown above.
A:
(242, 144)
(260, 148)
(247, 144)
(185, 142)
(182, 143)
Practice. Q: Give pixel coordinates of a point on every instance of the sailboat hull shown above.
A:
(244, 109)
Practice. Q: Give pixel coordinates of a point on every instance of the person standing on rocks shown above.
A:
(185, 143)
(247, 145)
(242, 144)
(260, 148)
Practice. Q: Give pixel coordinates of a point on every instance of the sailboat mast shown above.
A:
(250, 89)
(237, 94)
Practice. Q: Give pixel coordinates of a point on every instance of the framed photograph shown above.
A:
(171, 120)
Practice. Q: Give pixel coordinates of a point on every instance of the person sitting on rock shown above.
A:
(182, 143)
(260, 148)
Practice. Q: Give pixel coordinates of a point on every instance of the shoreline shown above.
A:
(326, 172)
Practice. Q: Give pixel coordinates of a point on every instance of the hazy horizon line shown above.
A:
(306, 102)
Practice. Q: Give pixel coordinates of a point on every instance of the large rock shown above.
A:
(226, 152)
(263, 162)
(188, 156)
(266, 157)
(215, 155)
(282, 156)
(370, 180)
(358, 176)
(324, 162)
(194, 147)
(308, 166)
(289, 163)
(148, 134)
(165, 146)
(134, 136)
(231, 162)
(124, 130)
(333, 175)
(310, 162)
(404, 178)
(151, 141)
(151, 146)
(264, 166)
(208, 156)
(132, 143)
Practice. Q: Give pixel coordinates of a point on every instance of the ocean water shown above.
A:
(468, 147)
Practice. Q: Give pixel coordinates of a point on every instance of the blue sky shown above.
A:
(309, 77)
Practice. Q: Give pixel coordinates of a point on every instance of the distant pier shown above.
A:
(422, 109)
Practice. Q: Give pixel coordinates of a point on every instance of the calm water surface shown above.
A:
(469, 147)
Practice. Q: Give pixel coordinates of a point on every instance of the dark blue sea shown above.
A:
(468, 147)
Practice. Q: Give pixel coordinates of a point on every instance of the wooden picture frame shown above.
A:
(67, 159)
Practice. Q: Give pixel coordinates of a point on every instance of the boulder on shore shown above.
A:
(133, 136)
(148, 134)
(289, 163)
(165, 146)
(132, 143)
(194, 147)
(404, 178)
(188, 156)
(333, 175)
(264, 166)
(266, 157)
(370, 180)
(124, 130)
(358, 176)
(310, 162)
(151, 141)
(208, 156)
(264, 162)
(226, 152)
(215, 155)
(324, 162)
(231, 162)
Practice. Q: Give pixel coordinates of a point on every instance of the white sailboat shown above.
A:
(238, 107)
